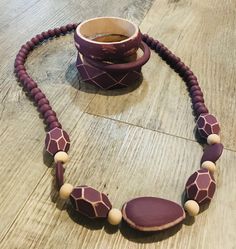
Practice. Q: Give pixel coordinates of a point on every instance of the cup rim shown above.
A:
(107, 43)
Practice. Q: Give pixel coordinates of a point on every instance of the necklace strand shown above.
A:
(140, 213)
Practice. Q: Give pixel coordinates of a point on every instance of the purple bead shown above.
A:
(49, 113)
(44, 108)
(212, 152)
(90, 202)
(45, 35)
(54, 125)
(194, 88)
(196, 99)
(59, 175)
(40, 37)
(30, 84)
(23, 51)
(51, 119)
(152, 214)
(63, 29)
(51, 32)
(57, 140)
(35, 40)
(34, 91)
(207, 124)
(42, 102)
(26, 46)
(57, 31)
(197, 105)
(201, 110)
(200, 186)
(30, 44)
(69, 27)
(197, 92)
(20, 67)
(39, 96)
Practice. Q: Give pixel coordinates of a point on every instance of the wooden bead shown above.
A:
(191, 207)
(65, 191)
(209, 165)
(114, 216)
(213, 139)
(61, 156)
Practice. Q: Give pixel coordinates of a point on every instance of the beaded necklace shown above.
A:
(142, 213)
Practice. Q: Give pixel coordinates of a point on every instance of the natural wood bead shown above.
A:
(114, 216)
(213, 139)
(61, 156)
(65, 191)
(209, 165)
(191, 207)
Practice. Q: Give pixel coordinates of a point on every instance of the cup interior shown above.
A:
(107, 30)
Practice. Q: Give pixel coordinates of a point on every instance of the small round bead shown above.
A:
(191, 207)
(61, 156)
(45, 35)
(49, 113)
(69, 26)
(65, 191)
(54, 125)
(44, 108)
(51, 32)
(51, 119)
(213, 139)
(35, 40)
(43, 101)
(209, 165)
(114, 216)
(57, 31)
(39, 96)
(63, 29)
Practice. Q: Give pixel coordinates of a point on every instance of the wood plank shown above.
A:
(203, 35)
(125, 161)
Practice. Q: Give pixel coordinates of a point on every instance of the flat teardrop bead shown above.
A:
(152, 213)
(212, 152)
(90, 202)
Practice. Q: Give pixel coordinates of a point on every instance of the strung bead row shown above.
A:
(200, 186)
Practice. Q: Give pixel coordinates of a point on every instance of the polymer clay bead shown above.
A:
(191, 207)
(90, 202)
(57, 140)
(200, 186)
(152, 213)
(207, 124)
(212, 152)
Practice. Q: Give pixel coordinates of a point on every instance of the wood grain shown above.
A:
(126, 143)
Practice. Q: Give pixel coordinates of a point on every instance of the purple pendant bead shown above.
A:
(212, 152)
(152, 213)
(200, 186)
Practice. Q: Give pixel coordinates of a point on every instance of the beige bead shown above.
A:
(191, 207)
(209, 165)
(213, 139)
(61, 156)
(65, 191)
(114, 216)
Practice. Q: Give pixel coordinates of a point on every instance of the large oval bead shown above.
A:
(212, 152)
(90, 202)
(207, 124)
(152, 213)
(200, 186)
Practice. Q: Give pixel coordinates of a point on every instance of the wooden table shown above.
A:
(128, 142)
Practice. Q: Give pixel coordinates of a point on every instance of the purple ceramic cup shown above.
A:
(88, 44)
